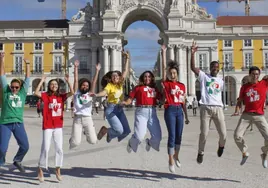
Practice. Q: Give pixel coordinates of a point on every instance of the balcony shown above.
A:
(37, 72)
(17, 72)
(83, 71)
(245, 68)
(57, 72)
(229, 69)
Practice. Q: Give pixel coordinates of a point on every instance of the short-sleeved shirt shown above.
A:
(254, 96)
(174, 93)
(114, 93)
(82, 104)
(53, 110)
(145, 95)
(195, 104)
(13, 104)
(211, 88)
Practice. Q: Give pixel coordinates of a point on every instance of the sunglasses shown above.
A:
(15, 87)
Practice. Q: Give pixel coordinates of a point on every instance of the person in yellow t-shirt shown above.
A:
(114, 112)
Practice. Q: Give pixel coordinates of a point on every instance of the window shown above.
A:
(228, 60)
(1, 46)
(265, 42)
(266, 60)
(227, 43)
(248, 60)
(18, 64)
(38, 64)
(202, 60)
(57, 46)
(18, 46)
(248, 43)
(57, 63)
(38, 46)
(83, 69)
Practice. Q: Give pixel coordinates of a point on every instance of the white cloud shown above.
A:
(142, 34)
(256, 8)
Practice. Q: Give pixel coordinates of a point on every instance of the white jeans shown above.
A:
(57, 136)
(79, 123)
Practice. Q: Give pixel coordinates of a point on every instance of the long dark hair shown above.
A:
(141, 79)
(49, 92)
(107, 78)
(173, 65)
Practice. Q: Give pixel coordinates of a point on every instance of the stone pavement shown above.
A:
(109, 165)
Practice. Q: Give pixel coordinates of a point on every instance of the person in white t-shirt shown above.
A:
(211, 106)
(82, 109)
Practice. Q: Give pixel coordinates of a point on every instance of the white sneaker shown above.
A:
(148, 146)
(244, 158)
(171, 168)
(129, 149)
(177, 162)
(264, 160)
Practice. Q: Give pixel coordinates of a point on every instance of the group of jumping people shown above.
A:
(147, 96)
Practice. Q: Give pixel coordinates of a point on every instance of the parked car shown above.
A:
(31, 100)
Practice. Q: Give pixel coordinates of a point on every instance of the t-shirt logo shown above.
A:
(213, 87)
(253, 95)
(56, 108)
(118, 94)
(150, 92)
(178, 94)
(15, 101)
(84, 99)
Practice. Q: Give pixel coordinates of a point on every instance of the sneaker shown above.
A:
(199, 158)
(4, 168)
(264, 160)
(244, 158)
(148, 146)
(177, 162)
(171, 168)
(19, 166)
(220, 151)
(129, 149)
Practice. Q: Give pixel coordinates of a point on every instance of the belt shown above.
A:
(253, 113)
(146, 106)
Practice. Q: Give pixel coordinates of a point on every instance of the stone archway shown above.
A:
(230, 89)
(62, 86)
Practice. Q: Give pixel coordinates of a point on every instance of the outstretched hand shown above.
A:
(26, 61)
(44, 77)
(187, 121)
(163, 48)
(66, 77)
(98, 66)
(194, 47)
(76, 63)
(125, 54)
(2, 55)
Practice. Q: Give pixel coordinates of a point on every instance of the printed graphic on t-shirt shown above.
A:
(178, 94)
(150, 92)
(213, 87)
(56, 108)
(253, 95)
(15, 101)
(84, 98)
(118, 94)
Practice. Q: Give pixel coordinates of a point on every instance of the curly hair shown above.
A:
(107, 78)
(50, 92)
(83, 80)
(141, 79)
(173, 65)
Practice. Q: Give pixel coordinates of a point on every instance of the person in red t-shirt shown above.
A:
(253, 95)
(52, 123)
(174, 107)
(146, 95)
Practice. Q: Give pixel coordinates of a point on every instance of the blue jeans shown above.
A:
(174, 120)
(21, 137)
(146, 118)
(118, 121)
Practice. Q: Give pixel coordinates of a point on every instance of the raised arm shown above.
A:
(126, 55)
(193, 50)
(71, 92)
(37, 90)
(27, 64)
(76, 64)
(2, 64)
(164, 63)
(94, 81)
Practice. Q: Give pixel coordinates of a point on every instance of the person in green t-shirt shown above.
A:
(11, 119)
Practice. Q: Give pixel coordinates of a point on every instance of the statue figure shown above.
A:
(175, 3)
(109, 4)
(79, 16)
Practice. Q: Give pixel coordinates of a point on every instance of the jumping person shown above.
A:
(11, 120)
(114, 112)
(146, 95)
(211, 107)
(82, 109)
(253, 94)
(175, 105)
(52, 123)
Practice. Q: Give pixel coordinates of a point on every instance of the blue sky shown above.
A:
(143, 47)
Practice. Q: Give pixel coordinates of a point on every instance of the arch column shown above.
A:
(93, 61)
(171, 55)
(114, 58)
(179, 61)
(105, 58)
